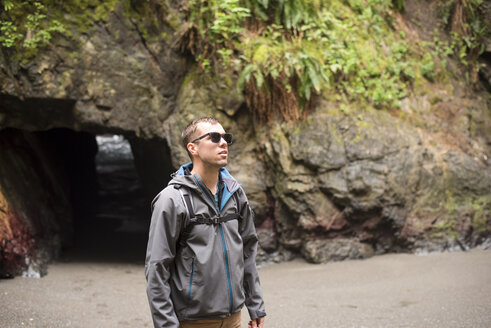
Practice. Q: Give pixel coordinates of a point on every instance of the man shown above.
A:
(200, 263)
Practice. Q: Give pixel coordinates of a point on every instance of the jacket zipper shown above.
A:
(224, 247)
(191, 279)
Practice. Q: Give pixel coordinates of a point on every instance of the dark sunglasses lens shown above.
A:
(228, 138)
(215, 137)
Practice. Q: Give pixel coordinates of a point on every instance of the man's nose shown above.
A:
(222, 142)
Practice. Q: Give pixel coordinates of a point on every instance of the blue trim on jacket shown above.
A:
(224, 175)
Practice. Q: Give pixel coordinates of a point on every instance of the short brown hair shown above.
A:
(191, 129)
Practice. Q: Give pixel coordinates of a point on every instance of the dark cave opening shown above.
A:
(110, 207)
(62, 198)
(110, 191)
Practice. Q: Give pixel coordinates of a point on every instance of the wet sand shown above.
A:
(397, 290)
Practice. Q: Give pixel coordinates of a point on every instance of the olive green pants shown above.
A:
(231, 322)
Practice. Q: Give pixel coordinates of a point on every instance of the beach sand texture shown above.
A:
(395, 290)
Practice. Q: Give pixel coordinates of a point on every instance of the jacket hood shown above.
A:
(184, 177)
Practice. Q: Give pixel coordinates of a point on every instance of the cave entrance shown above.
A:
(112, 179)
(110, 206)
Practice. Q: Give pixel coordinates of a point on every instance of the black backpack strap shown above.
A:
(237, 204)
(187, 201)
(189, 206)
(217, 219)
(193, 220)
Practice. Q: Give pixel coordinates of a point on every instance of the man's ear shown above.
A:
(192, 149)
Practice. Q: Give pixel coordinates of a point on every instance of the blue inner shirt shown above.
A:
(218, 191)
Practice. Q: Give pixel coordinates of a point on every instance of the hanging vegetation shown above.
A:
(289, 51)
(25, 26)
(286, 52)
(466, 20)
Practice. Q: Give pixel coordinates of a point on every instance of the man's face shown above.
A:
(208, 152)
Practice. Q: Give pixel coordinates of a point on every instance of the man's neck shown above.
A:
(209, 176)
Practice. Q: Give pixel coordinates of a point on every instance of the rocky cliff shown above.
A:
(346, 182)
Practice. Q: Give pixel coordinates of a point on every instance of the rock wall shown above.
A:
(348, 182)
(360, 182)
(106, 79)
(374, 186)
(35, 211)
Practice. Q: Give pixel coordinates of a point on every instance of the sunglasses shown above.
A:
(216, 137)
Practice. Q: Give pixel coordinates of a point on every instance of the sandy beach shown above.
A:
(395, 290)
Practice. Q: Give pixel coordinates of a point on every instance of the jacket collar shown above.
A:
(183, 176)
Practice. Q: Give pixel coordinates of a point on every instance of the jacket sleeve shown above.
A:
(161, 249)
(252, 287)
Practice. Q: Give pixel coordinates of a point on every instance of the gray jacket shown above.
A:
(211, 271)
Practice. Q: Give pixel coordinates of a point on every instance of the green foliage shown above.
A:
(9, 36)
(398, 4)
(427, 67)
(481, 216)
(436, 53)
(26, 25)
(211, 29)
(218, 20)
(272, 55)
(283, 50)
(469, 26)
(346, 50)
(287, 13)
